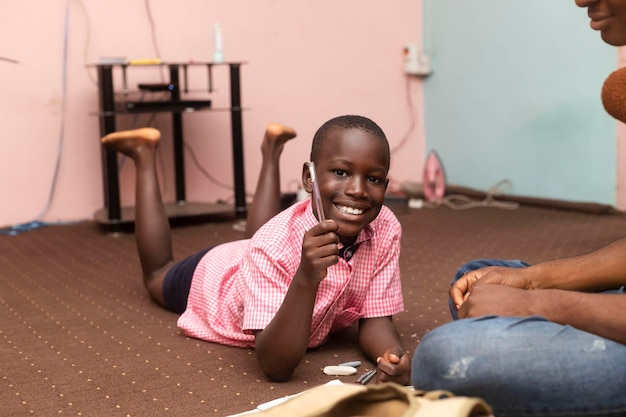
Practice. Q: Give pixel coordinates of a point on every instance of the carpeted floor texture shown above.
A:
(80, 336)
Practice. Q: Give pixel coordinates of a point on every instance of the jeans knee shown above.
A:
(429, 358)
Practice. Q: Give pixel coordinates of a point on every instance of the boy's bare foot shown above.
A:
(129, 142)
(276, 135)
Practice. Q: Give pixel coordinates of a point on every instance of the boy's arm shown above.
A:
(282, 344)
(378, 336)
(380, 342)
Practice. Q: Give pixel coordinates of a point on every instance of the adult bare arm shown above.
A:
(599, 270)
(595, 271)
(597, 313)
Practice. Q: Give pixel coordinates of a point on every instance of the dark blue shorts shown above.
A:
(177, 282)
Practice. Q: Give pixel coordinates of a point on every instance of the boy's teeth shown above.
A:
(349, 210)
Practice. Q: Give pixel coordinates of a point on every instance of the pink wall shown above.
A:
(307, 61)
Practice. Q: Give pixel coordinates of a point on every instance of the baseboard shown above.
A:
(587, 207)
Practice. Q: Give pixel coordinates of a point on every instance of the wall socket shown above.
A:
(415, 62)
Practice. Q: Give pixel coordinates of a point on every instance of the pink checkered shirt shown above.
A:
(238, 287)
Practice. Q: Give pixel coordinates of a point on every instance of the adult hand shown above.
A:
(497, 300)
(496, 275)
(394, 366)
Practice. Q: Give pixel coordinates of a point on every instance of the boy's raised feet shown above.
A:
(129, 142)
(276, 135)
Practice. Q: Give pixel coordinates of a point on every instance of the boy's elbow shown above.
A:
(275, 369)
(277, 374)
(278, 364)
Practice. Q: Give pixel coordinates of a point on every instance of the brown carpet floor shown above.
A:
(79, 335)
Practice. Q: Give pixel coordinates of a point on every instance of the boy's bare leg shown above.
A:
(266, 202)
(152, 229)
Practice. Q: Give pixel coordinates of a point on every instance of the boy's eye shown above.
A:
(371, 179)
(375, 180)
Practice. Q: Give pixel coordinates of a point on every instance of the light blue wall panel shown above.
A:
(516, 94)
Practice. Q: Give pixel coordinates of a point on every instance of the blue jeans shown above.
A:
(523, 366)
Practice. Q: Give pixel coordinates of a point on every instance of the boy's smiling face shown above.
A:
(352, 168)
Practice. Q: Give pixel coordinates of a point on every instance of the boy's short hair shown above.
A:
(347, 122)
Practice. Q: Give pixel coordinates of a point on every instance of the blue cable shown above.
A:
(19, 228)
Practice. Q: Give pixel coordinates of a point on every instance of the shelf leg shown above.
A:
(237, 141)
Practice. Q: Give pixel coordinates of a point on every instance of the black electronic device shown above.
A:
(157, 87)
(170, 105)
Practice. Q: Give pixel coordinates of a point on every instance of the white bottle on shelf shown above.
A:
(218, 54)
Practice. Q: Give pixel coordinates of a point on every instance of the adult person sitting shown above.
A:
(538, 340)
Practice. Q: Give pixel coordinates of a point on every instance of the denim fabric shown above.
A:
(523, 366)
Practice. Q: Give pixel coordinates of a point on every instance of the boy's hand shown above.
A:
(319, 250)
(394, 366)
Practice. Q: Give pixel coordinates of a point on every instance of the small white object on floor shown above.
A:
(339, 370)
(416, 203)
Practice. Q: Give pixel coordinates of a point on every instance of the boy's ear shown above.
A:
(306, 178)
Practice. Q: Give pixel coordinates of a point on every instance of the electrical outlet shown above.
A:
(416, 63)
